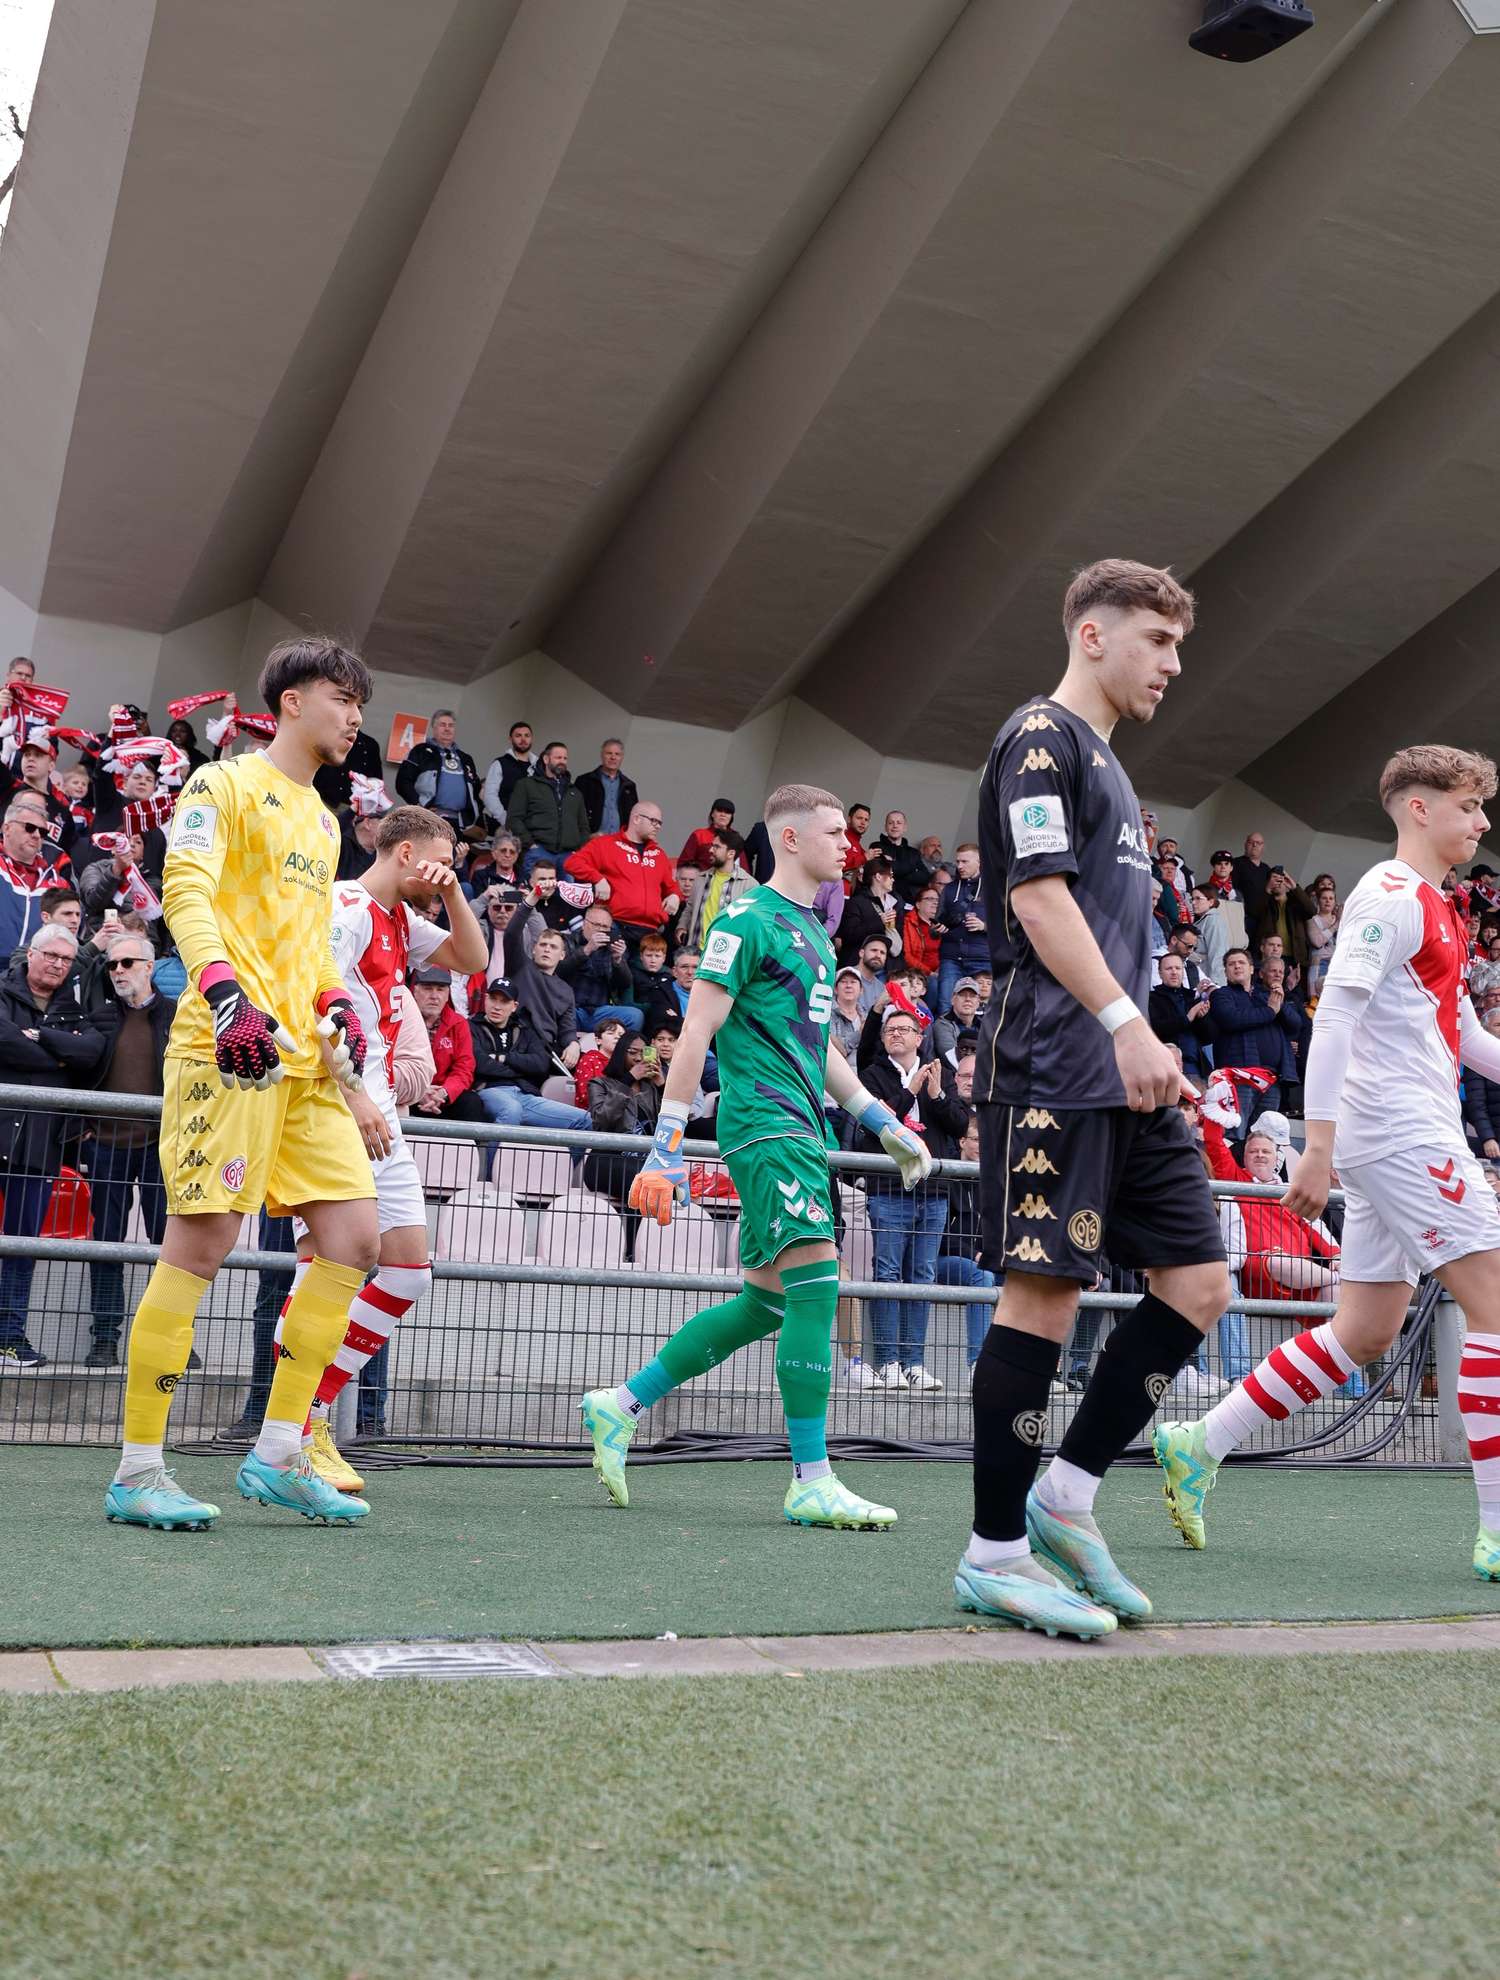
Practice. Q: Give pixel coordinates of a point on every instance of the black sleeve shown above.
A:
(487, 1065)
(1033, 786)
(529, 1056)
(868, 1048)
(406, 778)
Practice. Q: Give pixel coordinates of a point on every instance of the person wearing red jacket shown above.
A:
(1285, 1257)
(698, 850)
(919, 937)
(632, 873)
(451, 1091)
(856, 825)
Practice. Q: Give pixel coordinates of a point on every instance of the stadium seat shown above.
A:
(481, 1224)
(582, 1229)
(559, 1087)
(445, 1166)
(532, 1175)
(688, 1244)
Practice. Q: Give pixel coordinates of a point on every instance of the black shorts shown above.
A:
(1058, 1188)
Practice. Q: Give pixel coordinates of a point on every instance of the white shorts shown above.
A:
(1413, 1210)
(398, 1192)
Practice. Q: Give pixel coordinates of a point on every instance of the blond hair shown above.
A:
(1437, 767)
(796, 801)
(1121, 582)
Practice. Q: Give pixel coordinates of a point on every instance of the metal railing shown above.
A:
(545, 1286)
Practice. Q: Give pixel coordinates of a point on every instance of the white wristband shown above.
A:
(1122, 1011)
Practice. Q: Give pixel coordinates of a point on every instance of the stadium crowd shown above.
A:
(595, 931)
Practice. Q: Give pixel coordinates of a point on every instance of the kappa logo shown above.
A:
(1030, 1426)
(1034, 1163)
(197, 1125)
(1097, 762)
(1038, 759)
(1030, 1251)
(1037, 1118)
(1037, 720)
(1085, 1229)
(272, 802)
(1034, 1208)
(194, 1159)
(232, 1175)
(1156, 1387)
(192, 1194)
(200, 1090)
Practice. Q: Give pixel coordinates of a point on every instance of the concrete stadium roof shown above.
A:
(725, 351)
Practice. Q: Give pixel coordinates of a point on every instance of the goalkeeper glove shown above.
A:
(662, 1180)
(910, 1152)
(244, 1042)
(343, 1036)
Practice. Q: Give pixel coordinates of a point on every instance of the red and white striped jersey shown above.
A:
(374, 948)
(1403, 941)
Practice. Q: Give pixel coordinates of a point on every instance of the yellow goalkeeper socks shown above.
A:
(161, 1339)
(315, 1324)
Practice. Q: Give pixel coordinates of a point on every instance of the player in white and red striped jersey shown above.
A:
(377, 941)
(1394, 1028)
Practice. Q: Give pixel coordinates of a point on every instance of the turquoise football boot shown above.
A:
(611, 1429)
(298, 1489)
(825, 1502)
(1027, 1595)
(1073, 1545)
(1189, 1474)
(1487, 1555)
(156, 1499)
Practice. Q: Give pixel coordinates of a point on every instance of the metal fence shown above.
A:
(546, 1286)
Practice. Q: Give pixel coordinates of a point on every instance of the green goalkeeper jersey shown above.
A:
(775, 959)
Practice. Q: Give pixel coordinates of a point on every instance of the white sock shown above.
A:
(136, 1458)
(279, 1443)
(1068, 1488)
(817, 1468)
(631, 1404)
(319, 1412)
(995, 1556)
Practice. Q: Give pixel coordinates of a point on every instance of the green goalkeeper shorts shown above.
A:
(785, 1196)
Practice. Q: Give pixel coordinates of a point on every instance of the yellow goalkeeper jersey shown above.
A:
(249, 881)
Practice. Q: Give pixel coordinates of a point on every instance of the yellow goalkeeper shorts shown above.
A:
(236, 1148)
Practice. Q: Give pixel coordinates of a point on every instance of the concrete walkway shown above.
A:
(61, 1671)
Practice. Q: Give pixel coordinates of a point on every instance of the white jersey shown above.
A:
(374, 948)
(1403, 941)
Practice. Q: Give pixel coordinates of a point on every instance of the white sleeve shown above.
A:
(1477, 1048)
(1377, 935)
(349, 934)
(1340, 1008)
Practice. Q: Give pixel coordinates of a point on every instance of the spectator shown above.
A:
(1279, 1254)
(185, 736)
(1249, 874)
(1286, 912)
(546, 813)
(506, 771)
(855, 828)
(919, 935)
(1484, 891)
(1183, 942)
(1162, 920)
(723, 882)
(1322, 932)
(760, 854)
(24, 875)
(1272, 977)
(1221, 876)
(597, 971)
(872, 909)
(45, 1040)
(632, 873)
(593, 1062)
(1213, 934)
(546, 996)
(958, 1251)
(510, 1064)
(334, 782)
(965, 942)
(966, 1056)
(1168, 848)
(1180, 1016)
(931, 850)
(651, 983)
(443, 777)
(500, 864)
(698, 851)
(684, 976)
(872, 962)
(356, 843)
(1174, 881)
(1248, 1029)
(543, 898)
(134, 1022)
(962, 1016)
(907, 868)
(847, 1020)
(1484, 977)
(608, 794)
(906, 1225)
(624, 1099)
(36, 765)
(828, 905)
(1481, 1102)
(499, 909)
(450, 1093)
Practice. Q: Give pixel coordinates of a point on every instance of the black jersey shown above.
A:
(1055, 800)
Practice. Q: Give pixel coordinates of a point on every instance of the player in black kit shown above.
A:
(1082, 1148)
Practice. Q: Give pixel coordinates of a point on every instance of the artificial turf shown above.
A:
(702, 1550)
(1236, 1817)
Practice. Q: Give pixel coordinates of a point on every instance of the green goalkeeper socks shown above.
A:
(804, 1355)
(710, 1337)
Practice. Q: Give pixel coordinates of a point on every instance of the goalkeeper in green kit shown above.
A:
(762, 1001)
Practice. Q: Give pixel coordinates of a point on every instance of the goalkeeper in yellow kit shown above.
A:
(251, 1112)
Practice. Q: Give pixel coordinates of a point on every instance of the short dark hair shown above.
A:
(559, 744)
(538, 864)
(312, 657)
(53, 898)
(411, 821)
(1240, 952)
(727, 835)
(518, 725)
(1126, 585)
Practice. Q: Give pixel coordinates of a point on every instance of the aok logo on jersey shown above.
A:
(311, 873)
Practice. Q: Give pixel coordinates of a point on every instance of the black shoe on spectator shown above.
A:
(369, 1430)
(193, 1361)
(102, 1354)
(20, 1357)
(241, 1427)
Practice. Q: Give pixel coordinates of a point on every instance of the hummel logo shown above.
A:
(197, 1125)
(200, 1090)
(194, 1159)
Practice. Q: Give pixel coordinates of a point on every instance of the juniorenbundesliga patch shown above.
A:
(1036, 826)
(195, 829)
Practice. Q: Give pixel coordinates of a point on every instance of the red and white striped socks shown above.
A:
(373, 1313)
(1479, 1406)
(1291, 1376)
